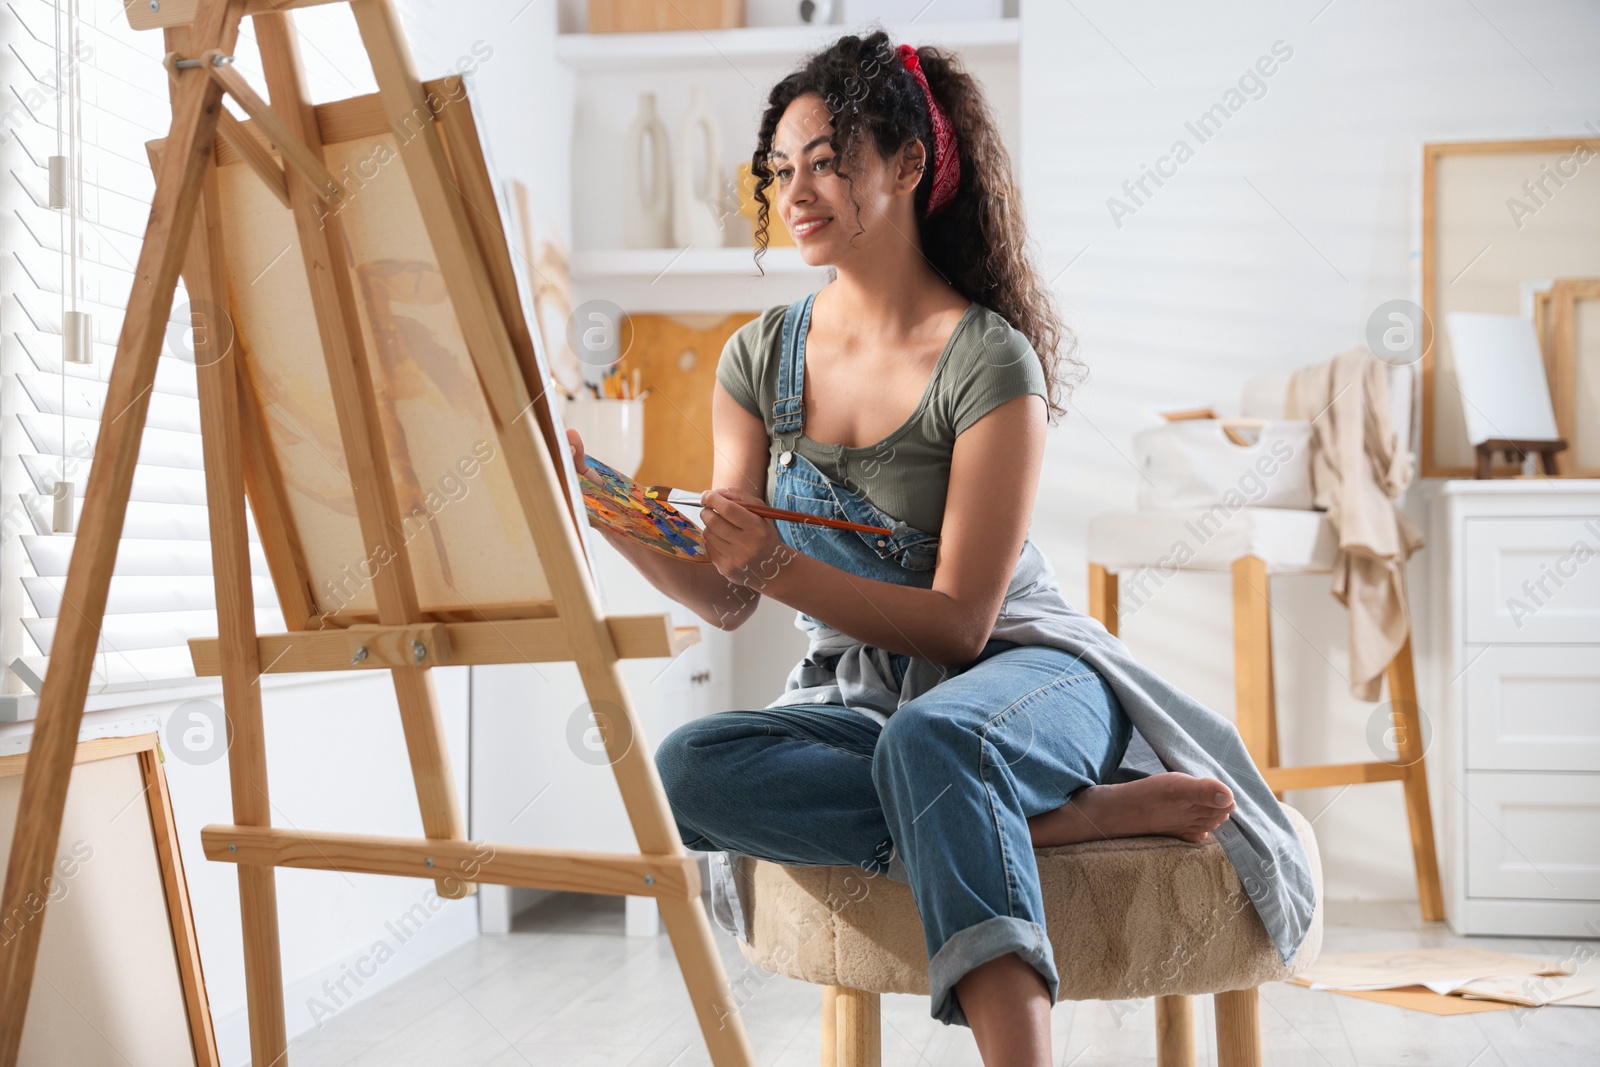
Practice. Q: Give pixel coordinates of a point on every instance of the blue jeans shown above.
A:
(939, 798)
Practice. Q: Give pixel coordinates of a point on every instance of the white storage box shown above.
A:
(1195, 463)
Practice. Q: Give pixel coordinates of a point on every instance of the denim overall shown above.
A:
(938, 797)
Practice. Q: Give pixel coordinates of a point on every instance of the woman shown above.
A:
(952, 713)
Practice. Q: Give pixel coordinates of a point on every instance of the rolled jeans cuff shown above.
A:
(977, 945)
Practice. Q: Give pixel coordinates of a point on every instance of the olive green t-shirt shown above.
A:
(985, 363)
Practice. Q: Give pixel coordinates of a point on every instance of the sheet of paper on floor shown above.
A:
(1404, 967)
(1521, 981)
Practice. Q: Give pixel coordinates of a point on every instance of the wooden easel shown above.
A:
(188, 231)
(1517, 450)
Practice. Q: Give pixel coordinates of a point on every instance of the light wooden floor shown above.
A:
(567, 989)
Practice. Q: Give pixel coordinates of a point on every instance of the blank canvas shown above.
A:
(1500, 375)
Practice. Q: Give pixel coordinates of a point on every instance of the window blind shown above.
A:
(82, 86)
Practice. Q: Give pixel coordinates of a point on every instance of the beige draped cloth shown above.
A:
(1358, 472)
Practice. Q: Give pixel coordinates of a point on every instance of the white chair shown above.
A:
(1254, 544)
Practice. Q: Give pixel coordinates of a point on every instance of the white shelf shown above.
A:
(656, 263)
(608, 52)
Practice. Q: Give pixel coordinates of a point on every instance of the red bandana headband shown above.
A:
(946, 163)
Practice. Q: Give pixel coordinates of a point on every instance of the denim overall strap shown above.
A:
(788, 411)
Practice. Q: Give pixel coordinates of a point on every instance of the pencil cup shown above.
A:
(612, 430)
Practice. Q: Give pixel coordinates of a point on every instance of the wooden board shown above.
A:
(116, 910)
(677, 356)
(642, 16)
(1478, 247)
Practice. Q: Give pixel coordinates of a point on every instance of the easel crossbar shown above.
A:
(506, 641)
(572, 870)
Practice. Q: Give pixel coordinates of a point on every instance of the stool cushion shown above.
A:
(1290, 541)
(1128, 917)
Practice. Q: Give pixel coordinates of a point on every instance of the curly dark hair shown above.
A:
(977, 244)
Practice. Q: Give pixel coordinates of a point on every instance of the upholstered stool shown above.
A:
(1128, 918)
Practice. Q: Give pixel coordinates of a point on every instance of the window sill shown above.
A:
(24, 707)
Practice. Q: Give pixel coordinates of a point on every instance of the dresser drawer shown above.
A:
(1533, 580)
(1532, 707)
(1533, 835)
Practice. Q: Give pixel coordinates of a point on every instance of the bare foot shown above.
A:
(1172, 804)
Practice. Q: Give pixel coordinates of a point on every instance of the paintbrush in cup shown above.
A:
(684, 498)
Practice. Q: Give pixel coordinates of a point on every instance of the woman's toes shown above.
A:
(1221, 796)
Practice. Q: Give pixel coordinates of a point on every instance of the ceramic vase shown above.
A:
(698, 209)
(647, 197)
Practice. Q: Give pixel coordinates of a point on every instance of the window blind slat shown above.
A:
(116, 672)
(135, 556)
(109, 204)
(158, 485)
(161, 448)
(178, 522)
(174, 376)
(123, 634)
(129, 163)
(130, 597)
(113, 241)
(85, 399)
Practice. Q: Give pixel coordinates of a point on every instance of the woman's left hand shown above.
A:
(744, 547)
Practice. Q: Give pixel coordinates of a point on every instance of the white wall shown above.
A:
(523, 98)
(1266, 251)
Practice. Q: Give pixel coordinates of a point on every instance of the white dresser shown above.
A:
(1516, 714)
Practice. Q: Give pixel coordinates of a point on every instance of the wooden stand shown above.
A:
(1256, 717)
(453, 198)
(1517, 451)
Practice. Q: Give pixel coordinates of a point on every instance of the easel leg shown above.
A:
(55, 735)
(205, 276)
(430, 766)
(1419, 812)
(686, 921)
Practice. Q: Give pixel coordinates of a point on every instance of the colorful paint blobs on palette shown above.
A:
(617, 502)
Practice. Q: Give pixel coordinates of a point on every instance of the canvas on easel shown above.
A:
(377, 393)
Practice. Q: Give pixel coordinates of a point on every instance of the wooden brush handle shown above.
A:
(664, 492)
(813, 520)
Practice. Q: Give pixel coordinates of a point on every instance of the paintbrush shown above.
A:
(684, 498)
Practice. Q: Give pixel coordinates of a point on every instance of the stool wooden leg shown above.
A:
(1175, 1031)
(1403, 700)
(1252, 658)
(1238, 1029)
(1103, 597)
(858, 1032)
(830, 1026)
